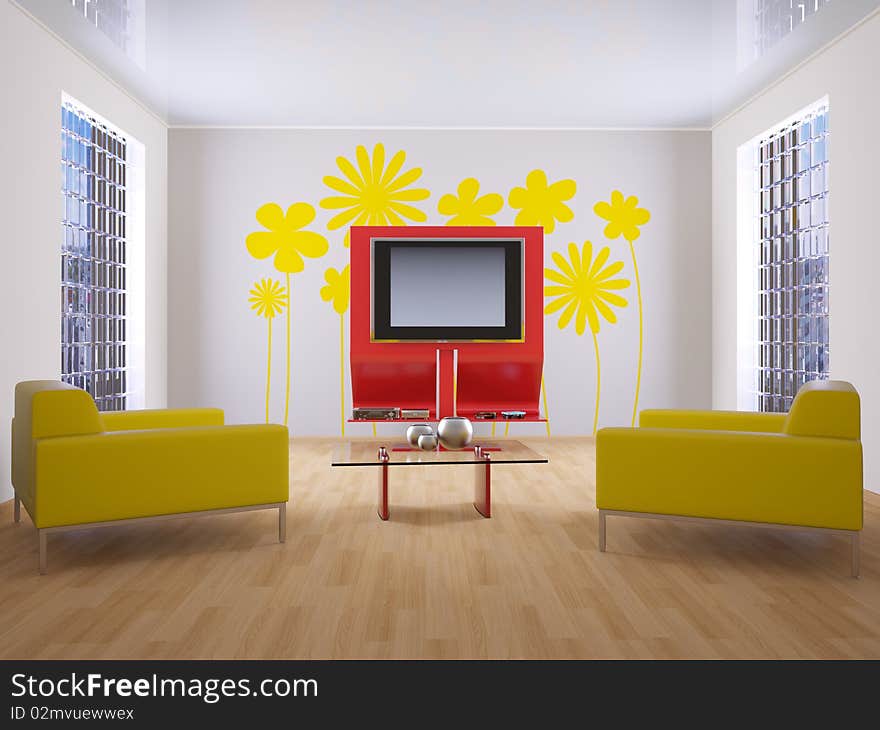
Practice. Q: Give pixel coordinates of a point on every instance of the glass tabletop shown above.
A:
(400, 453)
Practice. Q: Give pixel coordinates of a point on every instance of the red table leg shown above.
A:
(383, 483)
(483, 483)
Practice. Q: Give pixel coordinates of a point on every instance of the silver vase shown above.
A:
(455, 432)
(427, 442)
(417, 429)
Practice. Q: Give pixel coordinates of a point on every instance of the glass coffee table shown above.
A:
(483, 454)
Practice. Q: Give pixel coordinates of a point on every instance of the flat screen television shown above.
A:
(441, 290)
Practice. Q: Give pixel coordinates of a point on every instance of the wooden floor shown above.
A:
(438, 580)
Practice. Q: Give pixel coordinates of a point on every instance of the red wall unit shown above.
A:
(491, 376)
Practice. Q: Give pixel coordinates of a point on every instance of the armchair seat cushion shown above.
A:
(730, 475)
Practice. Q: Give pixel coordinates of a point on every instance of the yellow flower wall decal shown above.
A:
(338, 288)
(540, 203)
(468, 209)
(585, 289)
(284, 236)
(338, 291)
(372, 193)
(624, 218)
(623, 215)
(267, 299)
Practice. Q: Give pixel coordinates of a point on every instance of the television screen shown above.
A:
(447, 289)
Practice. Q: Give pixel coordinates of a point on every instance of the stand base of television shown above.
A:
(482, 456)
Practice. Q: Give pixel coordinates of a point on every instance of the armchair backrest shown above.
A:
(825, 408)
(46, 408)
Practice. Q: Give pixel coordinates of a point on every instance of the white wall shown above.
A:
(847, 73)
(35, 68)
(219, 177)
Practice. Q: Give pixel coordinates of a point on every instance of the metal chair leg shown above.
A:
(855, 555)
(44, 549)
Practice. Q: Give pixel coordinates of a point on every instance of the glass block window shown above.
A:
(111, 17)
(792, 172)
(93, 254)
(775, 19)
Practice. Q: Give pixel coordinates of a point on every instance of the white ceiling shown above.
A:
(495, 63)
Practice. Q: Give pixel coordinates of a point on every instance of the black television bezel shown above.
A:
(383, 331)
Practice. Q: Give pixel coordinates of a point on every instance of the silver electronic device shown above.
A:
(415, 413)
(376, 414)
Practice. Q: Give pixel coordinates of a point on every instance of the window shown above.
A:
(121, 21)
(764, 23)
(93, 258)
(791, 171)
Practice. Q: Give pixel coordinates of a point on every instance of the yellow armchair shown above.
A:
(73, 467)
(802, 470)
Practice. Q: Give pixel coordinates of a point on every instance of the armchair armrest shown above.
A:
(112, 476)
(714, 420)
(754, 477)
(161, 418)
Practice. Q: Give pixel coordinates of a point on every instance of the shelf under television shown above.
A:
(527, 419)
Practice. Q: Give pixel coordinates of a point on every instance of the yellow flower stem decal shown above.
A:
(338, 291)
(624, 218)
(372, 193)
(342, 374)
(268, 369)
(544, 396)
(285, 238)
(584, 287)
(632, 251)
(268, 299)
(287, 385)
(598, 384)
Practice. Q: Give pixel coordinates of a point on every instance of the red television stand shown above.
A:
(448, 378)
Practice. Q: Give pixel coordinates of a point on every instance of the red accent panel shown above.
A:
(492, 376)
